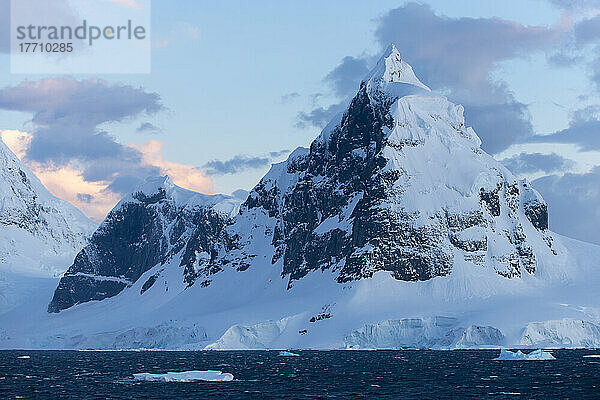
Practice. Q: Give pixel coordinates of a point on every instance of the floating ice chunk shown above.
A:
(24, 357)
(185, 376)
(536, 355)
(288, 354)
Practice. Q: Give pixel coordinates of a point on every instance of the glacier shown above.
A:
(563, 332)
(394, 229)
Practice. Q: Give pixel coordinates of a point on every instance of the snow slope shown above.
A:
(254, 311)
(394, 229)
(39, 234)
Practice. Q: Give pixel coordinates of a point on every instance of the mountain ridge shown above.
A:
(34, 224)
(373, 192)
(394, 229)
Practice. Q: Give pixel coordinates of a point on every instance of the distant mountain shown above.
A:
(158, 222)
(394, 229)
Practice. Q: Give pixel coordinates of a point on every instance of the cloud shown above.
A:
(180, 30)
(85, 197)
(67, 116)
(37, 11)
(499, 125)
(186, 176)
(574, 204)
(17, 141)
(128, 3)
(586, 135)
(576, 5)
(455, 56)
(320, 116)
(459, 53)
(236, 164)
(581, 45)
(526, 163)
(563, 59)
(583, 131)
(65, 181)
(588, 30)
(343, 81)
(241, 162)
(277, 154)
(288, 98)
(344, 78)
(4, 26)
(147, 127)
(96, 197)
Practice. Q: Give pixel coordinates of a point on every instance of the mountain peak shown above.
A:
(153, 184)
(391, 68)
(157, 188)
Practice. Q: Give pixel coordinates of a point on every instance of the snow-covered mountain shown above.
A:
(397, 184)
(157, 223)
(393, 229)
(39, 234)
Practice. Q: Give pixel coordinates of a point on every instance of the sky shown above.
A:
(236, 85)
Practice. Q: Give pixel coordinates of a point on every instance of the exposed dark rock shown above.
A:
(149, 230)
(351, 163)
(75, 289)
(371, 194)
(492, 200)
(320, 317)
(537, 213)
(148, 284)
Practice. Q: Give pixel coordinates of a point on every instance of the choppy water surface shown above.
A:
(421, 374)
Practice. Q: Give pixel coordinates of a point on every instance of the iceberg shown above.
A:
(24, 357)
(536, 355)
(185, 376)
(288, 354)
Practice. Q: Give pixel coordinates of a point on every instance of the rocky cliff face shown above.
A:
(152, 226)
(397, 183)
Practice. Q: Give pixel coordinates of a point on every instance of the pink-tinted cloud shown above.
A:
(186, 176)
(94, 198)
(128, 3)
(65, 181)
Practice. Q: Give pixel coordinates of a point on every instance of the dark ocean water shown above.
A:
(422, 374)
